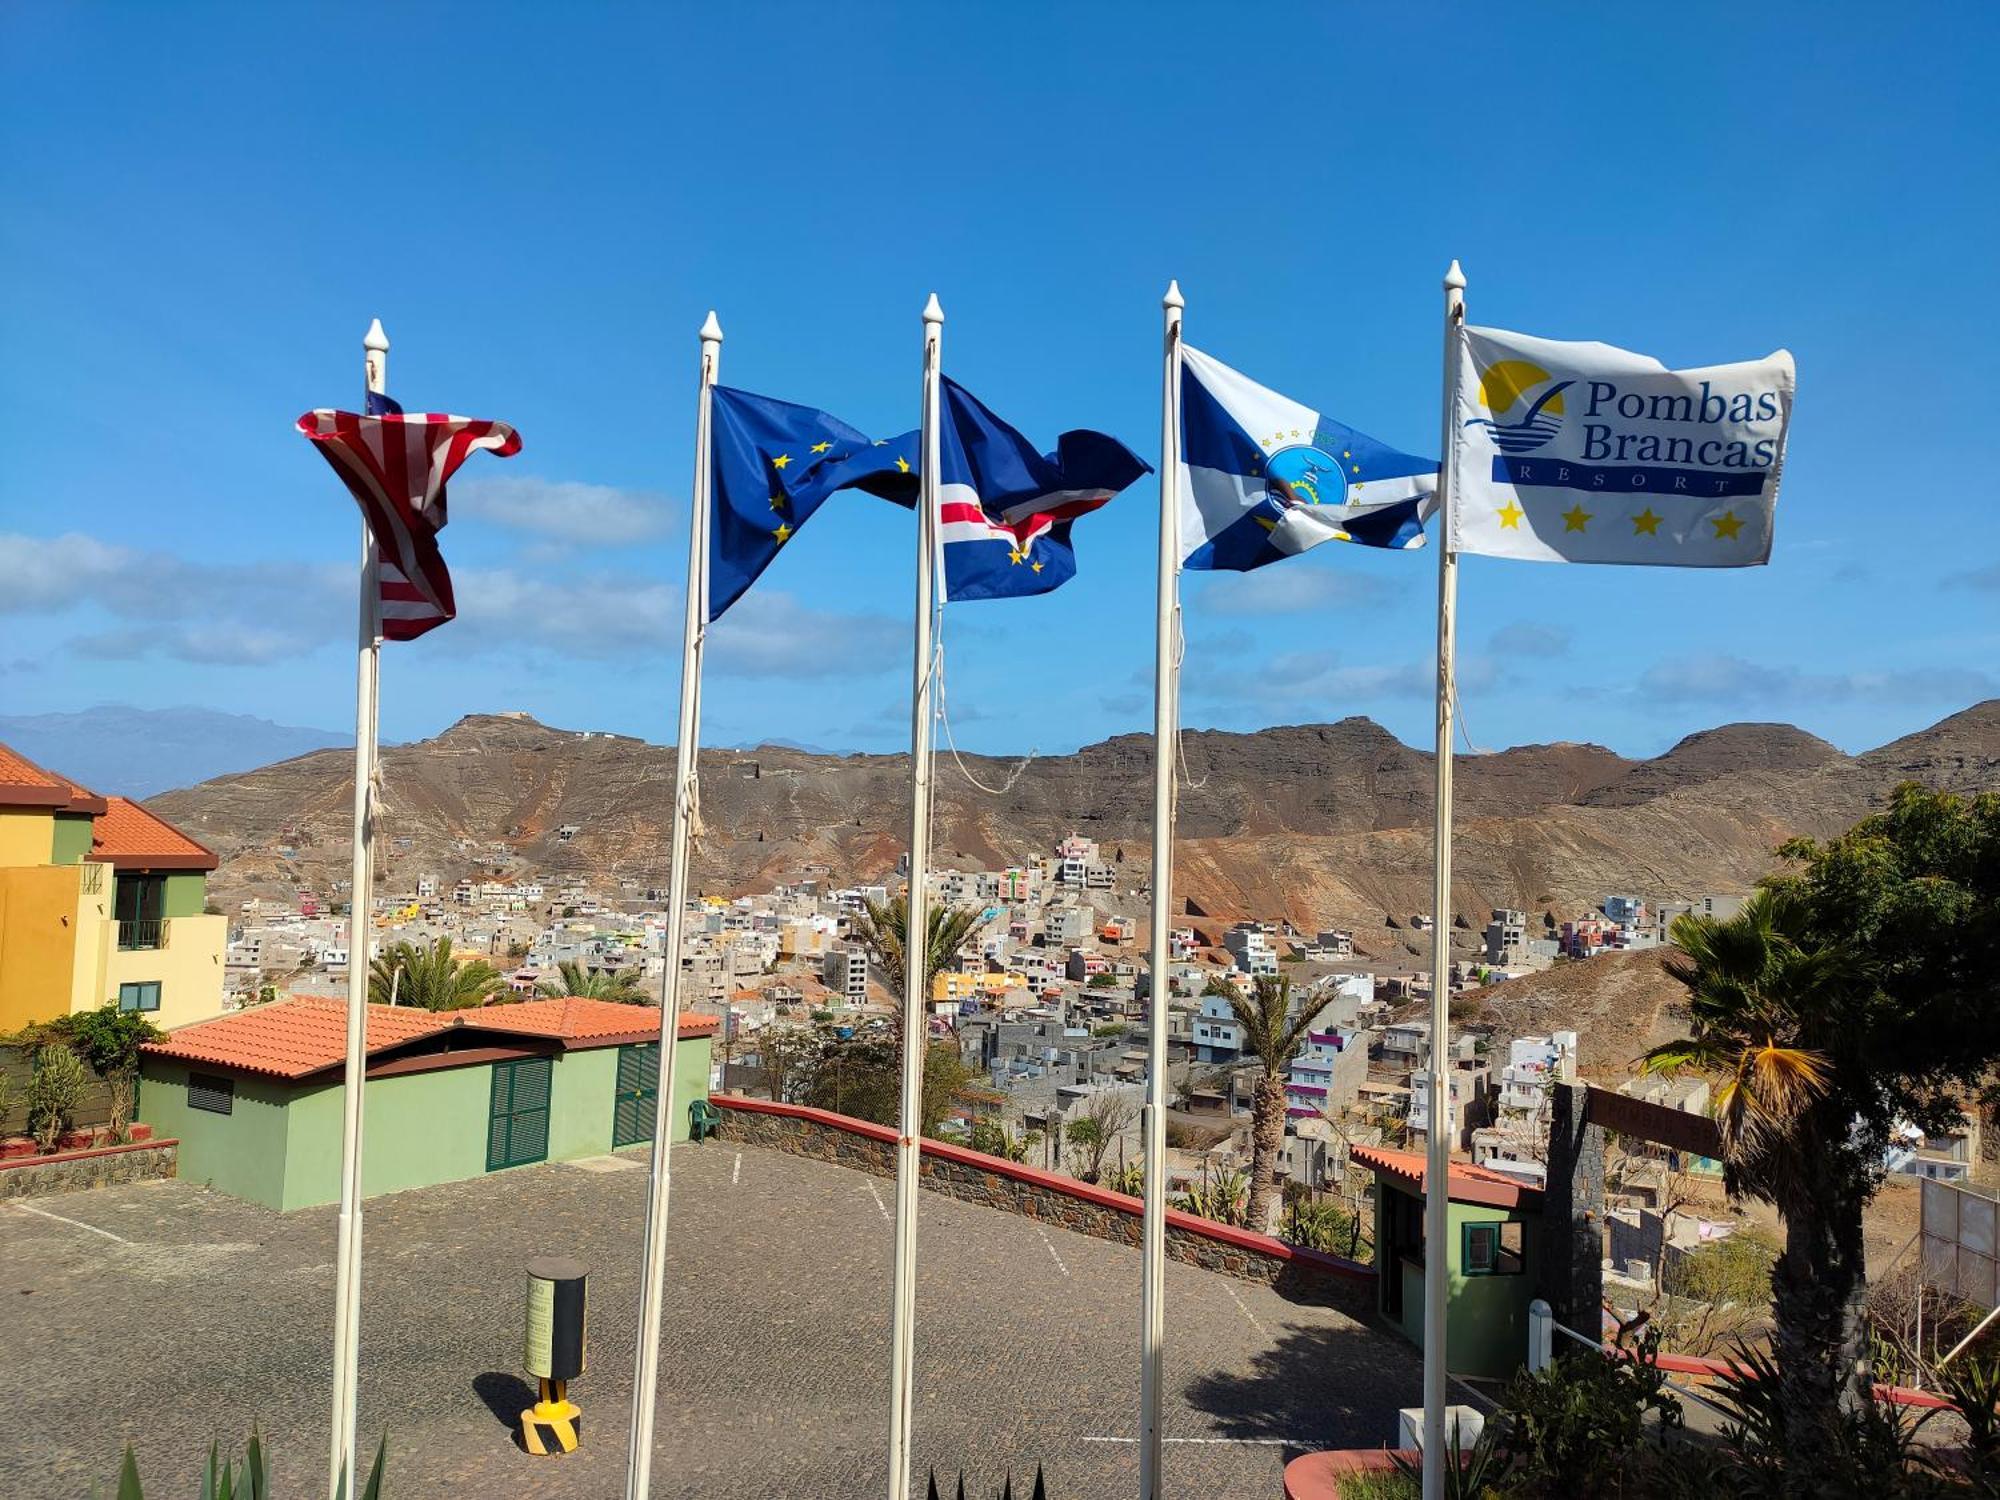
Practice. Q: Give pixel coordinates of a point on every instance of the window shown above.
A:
(209, 1092)
(1493, 1249)
(144, 996)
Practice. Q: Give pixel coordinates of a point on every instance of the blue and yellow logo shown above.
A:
(1516, 385)
(1304, 474)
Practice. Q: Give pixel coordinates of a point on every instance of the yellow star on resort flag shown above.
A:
(1581, 452)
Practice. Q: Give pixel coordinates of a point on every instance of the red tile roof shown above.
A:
(575, 1019)
(292, 1038)
(25, 784)
(1467, 1184)
(307, 1034)
(131, 838)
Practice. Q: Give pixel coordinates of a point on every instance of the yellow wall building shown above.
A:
(101, 903)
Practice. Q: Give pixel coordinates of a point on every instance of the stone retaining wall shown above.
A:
(73, 1171)
(973, 1177)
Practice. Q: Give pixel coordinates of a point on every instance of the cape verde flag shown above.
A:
(1005, 509)
(1263, 477)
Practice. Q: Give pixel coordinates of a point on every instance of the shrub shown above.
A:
(1324, 1225)
(109, 1040)
(1574, 1426)
(54, 1092)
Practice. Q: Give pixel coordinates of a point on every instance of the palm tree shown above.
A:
(882, 929)
(1763, 1003)
(430, 977)
(1271, 1034)
(593, 984)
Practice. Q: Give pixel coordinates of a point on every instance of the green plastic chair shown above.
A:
(704, 1119)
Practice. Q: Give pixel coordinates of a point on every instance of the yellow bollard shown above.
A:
(554, 1353)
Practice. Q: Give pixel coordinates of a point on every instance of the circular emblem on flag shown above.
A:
(1304, 475)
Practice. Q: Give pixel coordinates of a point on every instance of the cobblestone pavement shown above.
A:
(166, 1315)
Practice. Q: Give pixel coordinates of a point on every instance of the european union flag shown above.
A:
(772, 464)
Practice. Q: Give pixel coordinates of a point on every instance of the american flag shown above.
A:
(396, 466)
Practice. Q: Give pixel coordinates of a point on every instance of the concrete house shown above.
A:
(255, 1098)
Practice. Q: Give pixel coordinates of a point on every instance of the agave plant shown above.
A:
(1225, 1198)
(227, 1479)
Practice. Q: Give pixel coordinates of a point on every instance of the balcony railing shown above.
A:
(149, 932)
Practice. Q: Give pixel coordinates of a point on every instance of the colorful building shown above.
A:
(100, 902)
(255, 1098)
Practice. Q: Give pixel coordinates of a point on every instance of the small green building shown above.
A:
(1489, 1258)
(255, 1098)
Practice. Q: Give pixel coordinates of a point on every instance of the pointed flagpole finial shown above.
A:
(1173, 297)
(933, 313)
(711, 330)
(375, 341)
(1454, 279)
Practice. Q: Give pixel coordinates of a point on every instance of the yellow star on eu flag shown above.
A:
(902, 466)
(777, 502)
(782, 533)
(1037, 567)
(1510, 516)
(1014, 556)
(821, 447)
(1646, 523)
(781, 460)
(1727, 525)
(1576, 518)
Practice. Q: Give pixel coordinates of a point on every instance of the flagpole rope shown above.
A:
(1180, 730)
(944, 718)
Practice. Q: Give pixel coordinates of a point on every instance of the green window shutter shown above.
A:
(634, 1105)
(517, 1128)
(496, 1125)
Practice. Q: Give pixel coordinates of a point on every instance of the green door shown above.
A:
(636, 1100)
(517, 1131)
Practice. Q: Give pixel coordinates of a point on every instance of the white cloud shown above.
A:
(1732, 680)
(192, 611)
(1532, 638)
(1310, 685)
(252, 614)
(774, 635)
(565, 510)
(1284, 589)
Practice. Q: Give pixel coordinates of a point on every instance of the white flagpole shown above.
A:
(652, 1295)
(1437, 1169)
(916, 936)
(1166, 731)
(347, 1252)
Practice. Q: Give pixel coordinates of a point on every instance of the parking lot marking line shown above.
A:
(29, 1208)
(876, 1196)
(1246, 1310)
(736, 1172)
(1052, 1250)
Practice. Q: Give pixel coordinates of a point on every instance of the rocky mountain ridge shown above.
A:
(1324, 823)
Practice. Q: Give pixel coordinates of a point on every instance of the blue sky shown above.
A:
(207, 205)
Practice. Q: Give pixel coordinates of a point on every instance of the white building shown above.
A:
(1251, 948)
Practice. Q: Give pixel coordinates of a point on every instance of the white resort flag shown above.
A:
(1581, 452)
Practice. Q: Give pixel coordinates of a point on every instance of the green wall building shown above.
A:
(1489, 1258)
(255, 1098)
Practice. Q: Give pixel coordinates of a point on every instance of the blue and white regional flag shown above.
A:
(1005, 509)
(1263, 477)
(1581, 452)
